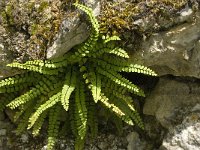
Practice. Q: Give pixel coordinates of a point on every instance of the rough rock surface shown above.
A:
(169, 96)
(72, 32)
(175, 51)
(185, 135)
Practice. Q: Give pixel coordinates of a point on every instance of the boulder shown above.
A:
(186, 134)
(171, 96)
(175, 51)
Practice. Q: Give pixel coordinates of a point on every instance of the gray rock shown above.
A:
(150, 22)
(2, 132)
(175, 51)
(72, 32)
(134, 142)
(5, 58)
(170, 96)
(184, 136)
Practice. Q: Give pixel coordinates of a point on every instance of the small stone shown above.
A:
(24, 138)
(2, 132)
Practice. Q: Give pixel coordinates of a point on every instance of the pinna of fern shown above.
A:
(75, 84)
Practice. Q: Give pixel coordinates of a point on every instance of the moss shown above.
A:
(37, 21)
(117, 17)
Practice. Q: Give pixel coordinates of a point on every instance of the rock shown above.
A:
(2, 132)
(5, 57)
(72, 33)
(134, 142)
(175, 51)
(185, 135)
(95, 5)
(150, 22)
(169, 97)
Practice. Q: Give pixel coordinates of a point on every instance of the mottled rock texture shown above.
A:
(175, 51)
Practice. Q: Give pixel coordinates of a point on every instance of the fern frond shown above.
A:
(42, 70)
(119, 52)
(122, 65)
(118, 123)
(88, 46)
(48, 63)
(49, 103)
(128, 109)
(107, 39)
(17, 79)
(68, 88)
(92, 119)
(118, 79)
(22, 109)
(24, 121)
(80, 111)
(38, 124)
(95, 86)
(33, 93)
(5, 99)
(138, 69)
(111, 107)
(53, 127)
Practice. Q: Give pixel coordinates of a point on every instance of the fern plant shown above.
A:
(74, 84)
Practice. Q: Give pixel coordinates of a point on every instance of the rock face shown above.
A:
(185, 135)
(72, 33)
(175, 51)
(168, 97)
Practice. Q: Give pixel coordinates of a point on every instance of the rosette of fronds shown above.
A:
(74, 84)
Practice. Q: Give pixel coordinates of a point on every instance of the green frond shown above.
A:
(53, 126)
(31, 94)
(118, 123)
(138, 69)
(118, 79)
(22, 109)
(17, 79)
(48, 63)
(107, 39)
(18, 82)
(122, 65)
(72, 115)
(49, 103)
(79, 143)
(24, 120)
(111, 107)
(5, 99)
(39, 69)
(119, 52)
(88, 46)
(38, 124)
(95, 85)
(89, 12)
(125, 106)
(68, 88)
(80, 111)
(92, 119)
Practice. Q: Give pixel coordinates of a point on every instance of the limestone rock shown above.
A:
(185, 135)
(134, 142)
(72, 33)
(175, 51)
(169, 98)
(5, 57)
